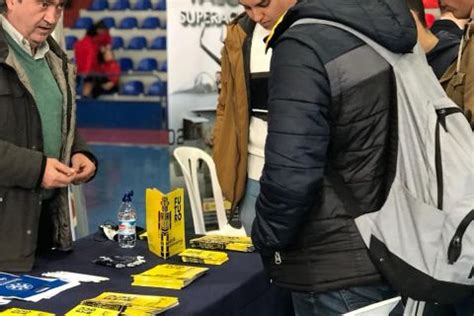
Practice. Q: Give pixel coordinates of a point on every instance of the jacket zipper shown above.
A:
(442, 114)
(278, 260)
(455, 246)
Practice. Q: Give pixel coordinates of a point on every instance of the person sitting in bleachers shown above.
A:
(87, 49)
(106, 79)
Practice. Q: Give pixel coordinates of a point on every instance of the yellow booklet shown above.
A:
(241, 244)
(24, 312)
(165, 222)
(204, 256)
(170, 276)
(111, 303)
(83, 310)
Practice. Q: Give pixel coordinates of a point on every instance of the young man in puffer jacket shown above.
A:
(307, 238)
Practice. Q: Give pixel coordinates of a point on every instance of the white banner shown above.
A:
(196, 30)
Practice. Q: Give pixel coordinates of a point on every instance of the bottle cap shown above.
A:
(127, 197)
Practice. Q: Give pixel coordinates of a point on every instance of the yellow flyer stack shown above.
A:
(165, 222)
(111, 304)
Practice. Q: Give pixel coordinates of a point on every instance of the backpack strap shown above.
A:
(390, 57)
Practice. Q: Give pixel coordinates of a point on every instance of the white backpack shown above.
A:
(421, 239)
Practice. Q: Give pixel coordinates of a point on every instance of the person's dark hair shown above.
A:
(417, 7)
(93, 30)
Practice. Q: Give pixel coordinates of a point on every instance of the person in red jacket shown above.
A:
(87, 49)
(106, 79)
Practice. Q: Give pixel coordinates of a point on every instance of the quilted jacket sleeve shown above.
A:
(297, 141)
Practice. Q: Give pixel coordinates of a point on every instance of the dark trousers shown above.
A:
(342, 301)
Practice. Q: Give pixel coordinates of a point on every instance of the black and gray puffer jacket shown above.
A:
(332, 102)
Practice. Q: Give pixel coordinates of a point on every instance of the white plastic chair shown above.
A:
(188, 159)
(382, 308)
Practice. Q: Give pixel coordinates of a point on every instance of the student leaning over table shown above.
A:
(40, 149)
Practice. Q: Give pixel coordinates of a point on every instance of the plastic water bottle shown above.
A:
(127, 218)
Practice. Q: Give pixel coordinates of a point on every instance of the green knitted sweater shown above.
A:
(47, 95)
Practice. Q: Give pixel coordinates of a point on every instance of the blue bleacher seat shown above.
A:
(164, 66)
(109, 21)
(99, 5)
(157, 88)
(117, 42)
(161, 5)
(70, 41)
(126, 63)
(83, 22)
(128, 22)
(120, 5)
(151, 22)
(159, 43)
(142, 5)
(133, 87)
(137, 42)
(147, 64)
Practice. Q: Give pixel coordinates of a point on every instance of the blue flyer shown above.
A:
(25, 286)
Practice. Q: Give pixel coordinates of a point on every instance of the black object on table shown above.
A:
(238, 287)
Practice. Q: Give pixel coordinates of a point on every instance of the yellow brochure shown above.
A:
(170, 276)
(24, 312)
(81, 310)
(242, 244)
(165, 222)
(204, 256)
(139, 302)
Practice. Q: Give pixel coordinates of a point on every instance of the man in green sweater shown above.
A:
(41, 152)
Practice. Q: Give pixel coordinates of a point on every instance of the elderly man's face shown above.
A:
(34, 19)
(462, 9)
(266, 12)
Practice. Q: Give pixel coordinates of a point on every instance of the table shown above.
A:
(239, 287)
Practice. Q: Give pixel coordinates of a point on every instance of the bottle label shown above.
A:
(127, 228)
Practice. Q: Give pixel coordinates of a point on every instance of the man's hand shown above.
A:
(83, 166)
(57, 174)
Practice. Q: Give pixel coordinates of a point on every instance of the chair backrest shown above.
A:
(128, 22)
(159, 43)
(188, 159)
(147, 64)
(157, 88)
(137, 42)
(99, 5)
(126, 63)
(84, 22)
(133, 87)
(117, 42)
(121, 5)
(151, 22)
(109, 21)
(164, 66)
(161, 5)
(70, 41)
(142, 5)
(380, 308)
